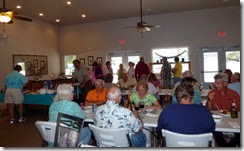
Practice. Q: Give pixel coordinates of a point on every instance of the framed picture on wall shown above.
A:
(35, 63)
(82, 61)
(100, 60)
(42, 64)
(32, 72)
(38, 72)
(28, 65)
(90, 60)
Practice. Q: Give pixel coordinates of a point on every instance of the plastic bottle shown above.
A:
(233, 110)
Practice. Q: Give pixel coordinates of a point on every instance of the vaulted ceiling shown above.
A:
(102, 10)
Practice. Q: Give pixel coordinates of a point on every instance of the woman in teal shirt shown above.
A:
(62, 104)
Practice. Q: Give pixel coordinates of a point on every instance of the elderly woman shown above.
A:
(98, 95)
(143, 96)
(62, 104)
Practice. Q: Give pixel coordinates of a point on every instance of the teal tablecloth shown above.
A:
(38, 99)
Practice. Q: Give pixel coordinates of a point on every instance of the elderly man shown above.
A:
(111, 115)
(235, 82)
(126, 82)
(98, 95)
(14, 82)
(186, 117)
(81, 75)
(141, 68)
(221, 98)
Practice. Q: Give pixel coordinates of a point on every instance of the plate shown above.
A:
(149, 110)
(151, 115)
(87, 107)
(217, 118)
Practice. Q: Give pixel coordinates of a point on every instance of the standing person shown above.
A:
(110, 69)
(177, 70)
(97, 70)
(111, 115)
(235, 83)
(141, 68)
(131, 71)
(81, 75)
(186, 117)
(14, 83)
(120, 71)
(166, 73)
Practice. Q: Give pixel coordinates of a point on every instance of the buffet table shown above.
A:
(34, 99)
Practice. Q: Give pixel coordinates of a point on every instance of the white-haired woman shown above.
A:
(63, 104)
(98, 95)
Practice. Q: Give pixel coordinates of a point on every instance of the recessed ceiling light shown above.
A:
(83, 15)
(18, 7)
(69, 2)
(40, 14)
(57, 20)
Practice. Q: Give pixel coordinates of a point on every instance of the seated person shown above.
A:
(63, 104)
(153, 79)
(235, 83)
(197, 96)
(186, 117)
(151, 88)
(98, 95)
(219, 99)
(125, 82)
(108, 79)
(115, 116)
(143, 96)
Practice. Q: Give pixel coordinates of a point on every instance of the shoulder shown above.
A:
(232, 92)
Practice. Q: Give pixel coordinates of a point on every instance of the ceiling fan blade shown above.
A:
(22, 18)
(152, 26)
(130, 27)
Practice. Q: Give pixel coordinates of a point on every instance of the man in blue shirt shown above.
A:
(186, 117)
(14, 83)
(235, 83)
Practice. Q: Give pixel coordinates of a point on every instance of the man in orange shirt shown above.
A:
(221, 98)
(98, 95)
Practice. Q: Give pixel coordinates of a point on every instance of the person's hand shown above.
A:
(211, 95)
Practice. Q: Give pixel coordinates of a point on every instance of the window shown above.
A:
(22, 64)
(233, 60)
(68, 62)
(115, 62)
(134, 59)
(168, 53)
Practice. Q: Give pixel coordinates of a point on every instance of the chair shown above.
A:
(173, 139)
(47, 131)
(67, 130)
(111, 137)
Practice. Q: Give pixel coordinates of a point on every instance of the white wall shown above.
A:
(29, 38)
(194, 29)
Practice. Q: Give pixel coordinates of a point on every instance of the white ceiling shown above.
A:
(101, 10)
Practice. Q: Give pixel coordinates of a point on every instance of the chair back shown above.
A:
(187, 140)
(111, 137)
(67, 130)
(47, 130)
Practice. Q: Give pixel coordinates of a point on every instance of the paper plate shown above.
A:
(151, 115)
(217, 118)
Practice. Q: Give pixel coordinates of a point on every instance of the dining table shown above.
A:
(150, 119)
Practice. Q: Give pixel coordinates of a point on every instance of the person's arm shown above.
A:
(156, 105)
(139, 118)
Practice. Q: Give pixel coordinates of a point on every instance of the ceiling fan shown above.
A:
(6, 15)
(143, 26)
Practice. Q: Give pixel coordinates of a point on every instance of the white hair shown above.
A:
(187, 74)
(112, 95)
(99, 82)
(64, 92)
(222, 76)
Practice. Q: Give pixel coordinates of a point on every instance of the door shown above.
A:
(215, 60)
